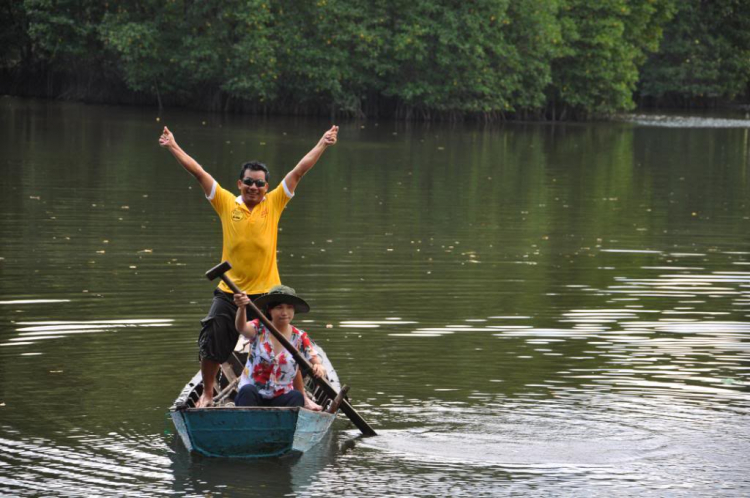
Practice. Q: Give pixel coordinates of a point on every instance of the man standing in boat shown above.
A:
(249, 225)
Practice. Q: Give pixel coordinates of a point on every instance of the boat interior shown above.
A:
(225, 387)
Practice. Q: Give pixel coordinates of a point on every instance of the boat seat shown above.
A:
(232, 368)
(231, 371)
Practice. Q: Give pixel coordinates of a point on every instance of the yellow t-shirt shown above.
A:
(249, 237)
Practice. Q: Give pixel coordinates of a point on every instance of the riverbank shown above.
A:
(114, 93)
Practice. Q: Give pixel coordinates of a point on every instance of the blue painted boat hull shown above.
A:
(250, 432)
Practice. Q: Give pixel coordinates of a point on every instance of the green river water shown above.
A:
(521, 309)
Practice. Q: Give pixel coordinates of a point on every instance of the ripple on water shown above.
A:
(618, 442)
(544, 432)
(685, 121)
(108, 465)
(29, 332)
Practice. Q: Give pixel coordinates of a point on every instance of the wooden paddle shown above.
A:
(220, 272)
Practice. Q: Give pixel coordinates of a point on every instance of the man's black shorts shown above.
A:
(218, 335)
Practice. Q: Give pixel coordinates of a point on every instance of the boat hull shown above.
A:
(250, 432)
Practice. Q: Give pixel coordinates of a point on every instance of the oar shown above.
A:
(219, 271)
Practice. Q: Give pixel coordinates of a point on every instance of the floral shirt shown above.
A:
(273, 374)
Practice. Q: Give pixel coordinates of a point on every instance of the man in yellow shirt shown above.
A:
(249, 225)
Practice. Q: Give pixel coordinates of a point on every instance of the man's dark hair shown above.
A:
(254, 166)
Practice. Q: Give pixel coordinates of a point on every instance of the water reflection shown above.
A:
(691, 349)
(100, 465)
(671, 121)
(621, 443)
(31, 332)
(35, 301)
(519, 310)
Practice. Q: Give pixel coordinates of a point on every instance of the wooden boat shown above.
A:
(224, 430)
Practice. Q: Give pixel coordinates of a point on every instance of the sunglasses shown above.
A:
(250, 182)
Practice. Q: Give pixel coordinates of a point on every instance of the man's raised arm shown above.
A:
(293, 177)
(191, 165)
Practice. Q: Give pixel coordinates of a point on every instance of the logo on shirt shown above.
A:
(237, 215)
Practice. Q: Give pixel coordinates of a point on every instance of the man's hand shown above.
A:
(206, 181)
(330, 137)
(303, 166)
(166, 139)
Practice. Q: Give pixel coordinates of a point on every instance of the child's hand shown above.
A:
(241, 299)
(319, 370)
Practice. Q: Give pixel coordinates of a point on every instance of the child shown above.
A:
(271, 376)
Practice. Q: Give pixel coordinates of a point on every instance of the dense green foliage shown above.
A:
(705, 53)
(405, 58)
(604, 43)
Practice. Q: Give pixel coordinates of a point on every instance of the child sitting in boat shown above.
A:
(271, 376)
